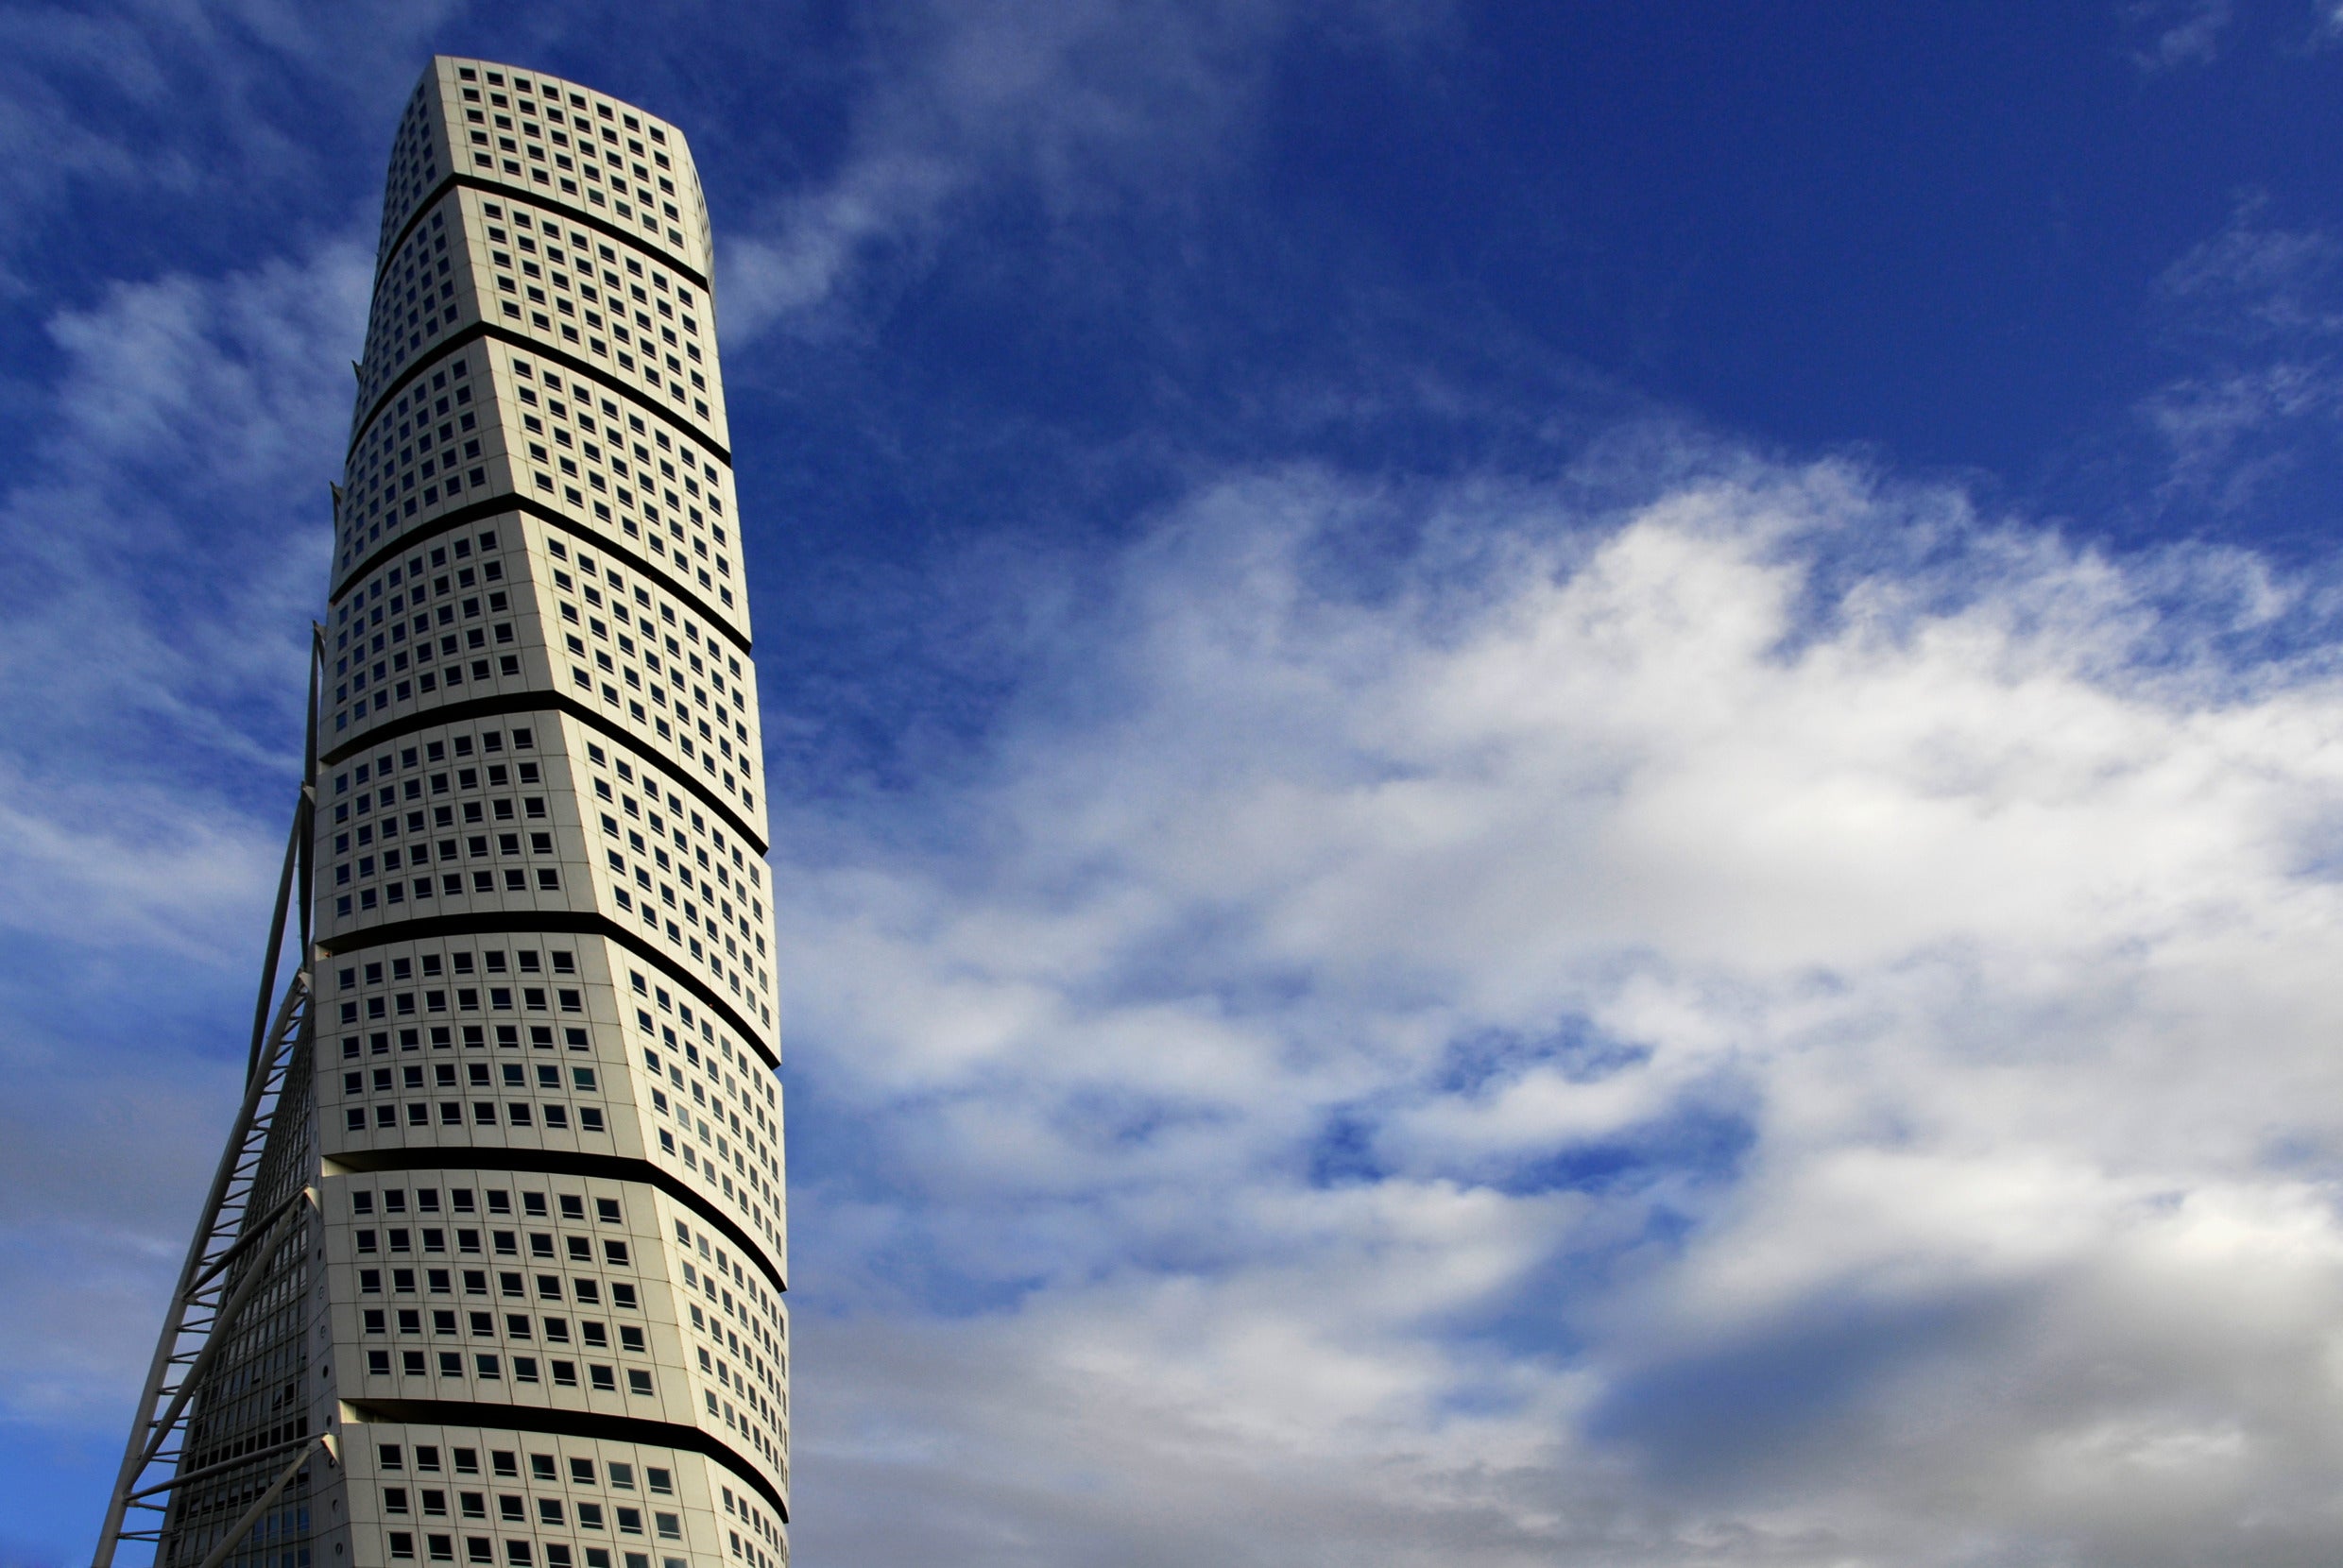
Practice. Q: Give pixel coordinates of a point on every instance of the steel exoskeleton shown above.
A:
(229, 1258)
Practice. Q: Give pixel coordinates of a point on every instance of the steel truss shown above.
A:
(250, 1213)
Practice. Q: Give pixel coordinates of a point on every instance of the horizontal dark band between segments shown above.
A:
(571, 922)
(573, 1424)
(483, 328)
(458, 178)
(558, 1162)
(505, 704)
(513, 500)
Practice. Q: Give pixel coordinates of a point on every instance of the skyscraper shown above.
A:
(493, 1269)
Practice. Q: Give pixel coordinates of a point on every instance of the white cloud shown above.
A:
(2255, 309)
(2180, 32)
(1074, 99)
(1648, 1041)
(2214, 426)
(2256, 279)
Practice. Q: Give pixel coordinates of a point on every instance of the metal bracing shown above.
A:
(229, 1258)
(233, 1536)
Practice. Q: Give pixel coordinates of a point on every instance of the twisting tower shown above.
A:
(492, 1268)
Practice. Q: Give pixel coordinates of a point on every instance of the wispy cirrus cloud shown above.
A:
(212, 102)
(1070, 103)
(2257, 280)
(2169, 35)
(2252, 313)
(185, 468)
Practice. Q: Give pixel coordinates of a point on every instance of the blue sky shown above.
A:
(1551, 783)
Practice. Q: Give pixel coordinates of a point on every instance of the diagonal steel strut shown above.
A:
(203, 1307)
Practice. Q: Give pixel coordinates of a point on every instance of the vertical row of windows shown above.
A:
(733, 1116)
(414, 162)
(743, 1367)
(424, 447)
(722, 902)
(414, 300)
(765, 1537)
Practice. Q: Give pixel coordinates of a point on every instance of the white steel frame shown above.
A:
(211, 1292)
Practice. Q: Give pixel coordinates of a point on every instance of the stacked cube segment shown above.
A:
(544, 1312)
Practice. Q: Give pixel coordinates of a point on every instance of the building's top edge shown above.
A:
(448, 67)
(443, 138)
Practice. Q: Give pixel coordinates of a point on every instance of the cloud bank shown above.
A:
(1773, 1023)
